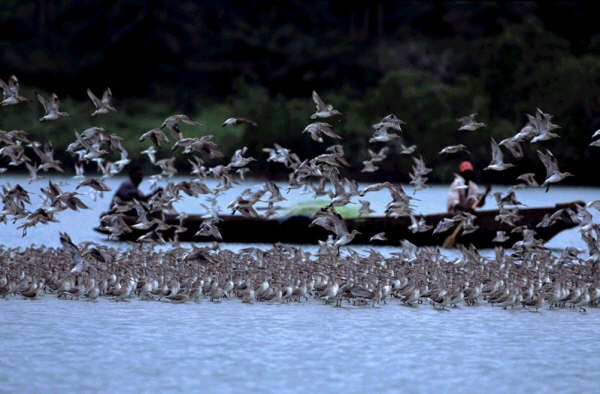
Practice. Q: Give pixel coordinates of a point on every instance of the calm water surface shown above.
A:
(69, 346)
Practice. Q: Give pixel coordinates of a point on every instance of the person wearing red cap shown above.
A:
(464, 192)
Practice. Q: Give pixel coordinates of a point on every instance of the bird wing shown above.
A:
(146, 135)
(553, 162)
(374, 187)
(339, 226)
(528, 178)
(75, 203)
(420, 166)
(320, 104)
(547, 162)
(53, 103)
(155, 135)
(94, 99)
(378, 237)
(33, 170)
(86, 182)
(383, 152)
(5, 87)
(106, 96)
(186, 119)
(380, 133)
(247, 121)
(467, 119)
(76, 257)
(497, 156)
(328, 131)
(43, 102)
(471, 117)
(515, 149)
(73, 251)
(413, 221)
(13, 85)
(39, 153)
(140, 212)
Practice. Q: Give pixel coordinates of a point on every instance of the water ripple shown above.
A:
(53, 345)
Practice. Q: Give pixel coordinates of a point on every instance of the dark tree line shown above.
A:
(428, 62)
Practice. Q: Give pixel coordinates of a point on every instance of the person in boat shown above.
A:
(128, 191)
(464, 192)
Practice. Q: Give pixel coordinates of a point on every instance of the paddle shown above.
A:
(451, 240)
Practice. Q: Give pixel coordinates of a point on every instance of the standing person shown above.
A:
(464, 192)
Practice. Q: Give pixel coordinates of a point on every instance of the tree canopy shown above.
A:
(427, 62)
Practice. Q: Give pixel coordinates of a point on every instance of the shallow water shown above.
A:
(68, 346)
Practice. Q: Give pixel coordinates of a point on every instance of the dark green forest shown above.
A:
(427, 62)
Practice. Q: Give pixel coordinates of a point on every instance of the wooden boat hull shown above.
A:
(295, 230)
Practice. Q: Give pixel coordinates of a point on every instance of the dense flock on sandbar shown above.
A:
(527, 276)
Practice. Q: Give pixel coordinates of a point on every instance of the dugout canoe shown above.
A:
(296, 230)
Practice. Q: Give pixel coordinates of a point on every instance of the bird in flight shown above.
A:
(51, 108)
(11, 92)
(468, 123)
(497, 163)
(324, 111)
(238, 121)
(104, 105)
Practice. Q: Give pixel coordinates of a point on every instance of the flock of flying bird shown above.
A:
(529, 276)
